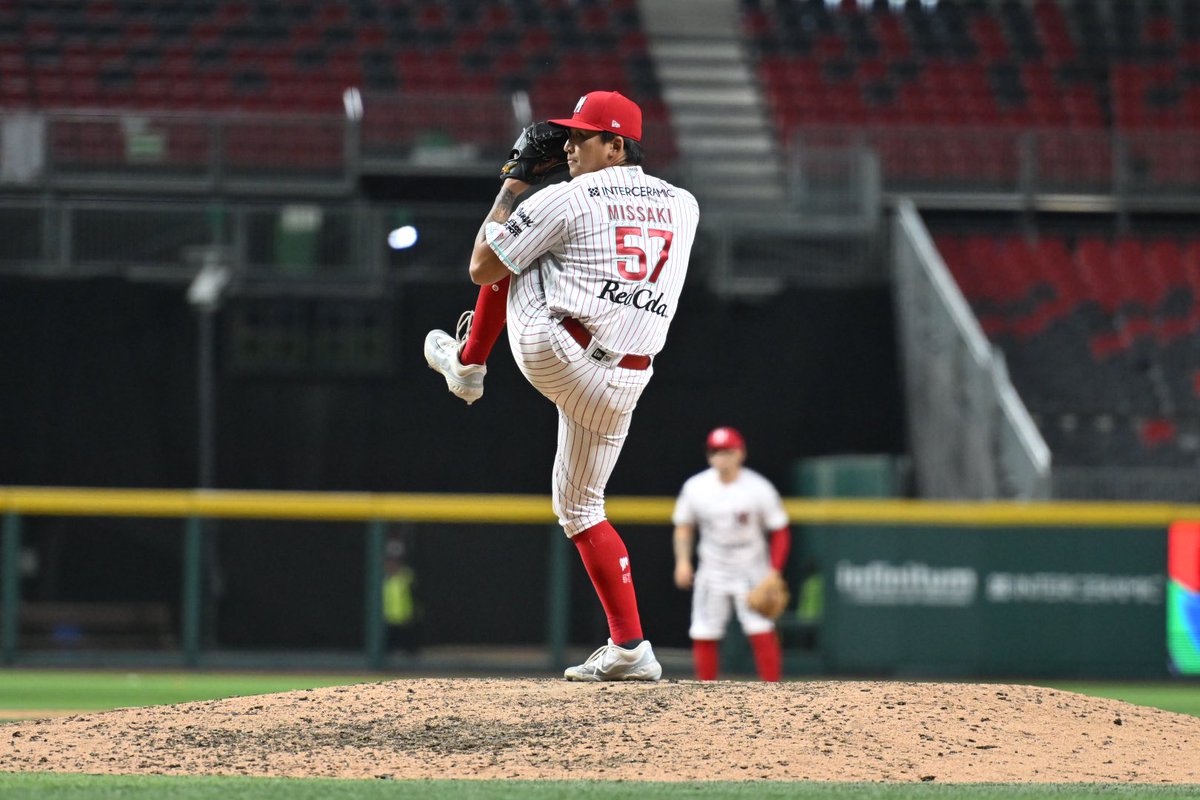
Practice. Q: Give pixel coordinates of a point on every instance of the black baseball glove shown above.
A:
(537, 153)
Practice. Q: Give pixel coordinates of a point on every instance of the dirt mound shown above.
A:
(674, 730)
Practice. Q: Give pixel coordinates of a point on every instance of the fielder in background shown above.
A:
(732, 506)
(588, 274)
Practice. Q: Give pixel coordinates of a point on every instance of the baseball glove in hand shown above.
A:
(770, 597)
(537, 153)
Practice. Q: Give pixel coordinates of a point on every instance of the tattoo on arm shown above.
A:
(501, 209)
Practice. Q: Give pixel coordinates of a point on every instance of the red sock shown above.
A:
(491, 309)
(706, 655)
(607, 562)
(768, 656)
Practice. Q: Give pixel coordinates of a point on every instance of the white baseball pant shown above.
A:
(595, 403)
(712, 602)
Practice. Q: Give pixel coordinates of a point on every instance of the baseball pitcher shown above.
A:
(587, 274)
(731, 506)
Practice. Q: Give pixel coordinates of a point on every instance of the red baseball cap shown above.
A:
(606, 111)
(725, 439)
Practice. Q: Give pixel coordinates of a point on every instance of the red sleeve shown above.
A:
(781, 543)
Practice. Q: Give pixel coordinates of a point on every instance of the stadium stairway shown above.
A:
(716, 105)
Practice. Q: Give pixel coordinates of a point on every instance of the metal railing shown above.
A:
(321, 245)
(825, 232)
(1005, 168)
(240, 152)
(970, 434)
(180, 152)
(251, 152)
(447, 134)
(1177, 484)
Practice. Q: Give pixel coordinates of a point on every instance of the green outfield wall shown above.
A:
(909, 587)
(955, 600)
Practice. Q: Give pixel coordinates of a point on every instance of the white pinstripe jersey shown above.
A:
(731, 519)
(613, 249)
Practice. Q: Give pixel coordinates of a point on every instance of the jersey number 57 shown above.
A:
(632, 262)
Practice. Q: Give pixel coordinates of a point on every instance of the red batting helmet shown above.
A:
(725, 438)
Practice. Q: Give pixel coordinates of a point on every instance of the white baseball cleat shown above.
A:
(441, 352)
(612, 663)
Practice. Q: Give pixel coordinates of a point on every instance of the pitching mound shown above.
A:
(675, 730)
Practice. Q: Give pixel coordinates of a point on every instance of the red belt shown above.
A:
(581, 335)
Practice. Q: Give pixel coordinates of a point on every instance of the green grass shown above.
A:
(1183, 698)
(95, 691)
(77, 787)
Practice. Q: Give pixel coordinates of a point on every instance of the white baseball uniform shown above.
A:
(730, 520)
(609, 249)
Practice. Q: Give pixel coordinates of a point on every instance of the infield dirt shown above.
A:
(669, 731)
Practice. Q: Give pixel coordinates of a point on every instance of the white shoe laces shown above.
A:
(463, 329)
(595, 660)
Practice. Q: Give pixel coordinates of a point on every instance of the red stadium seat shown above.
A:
(232, 55)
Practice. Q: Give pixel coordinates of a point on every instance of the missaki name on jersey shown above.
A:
(643, 298)
(632, 213)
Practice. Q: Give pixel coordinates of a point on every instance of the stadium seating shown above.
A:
(1100, 336)
(979, 63)
(1099, 333)
(284, 57)
(985, 64)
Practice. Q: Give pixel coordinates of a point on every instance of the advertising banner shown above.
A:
(1183, 597)
(994, 601)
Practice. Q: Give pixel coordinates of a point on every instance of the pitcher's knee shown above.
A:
(576, 520)
(577, 511)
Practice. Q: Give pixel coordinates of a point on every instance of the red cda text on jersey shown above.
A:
(632, 213)
(639, 298)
